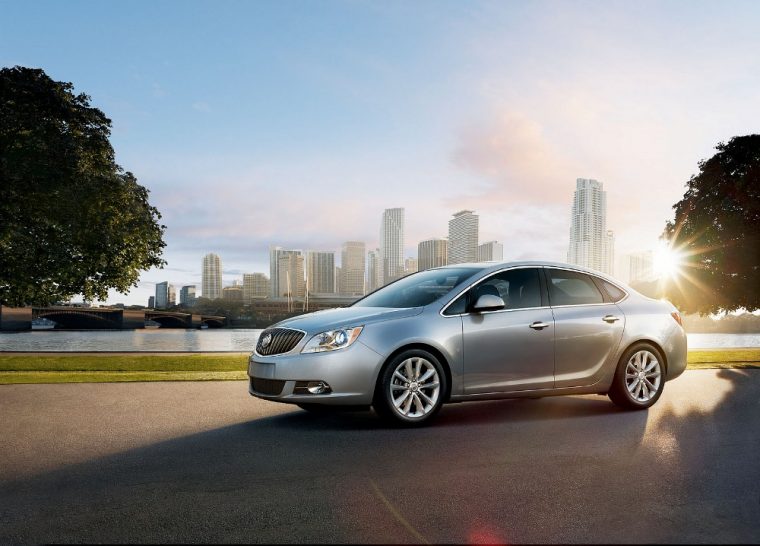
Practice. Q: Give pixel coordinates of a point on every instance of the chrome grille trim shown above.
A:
(283, 340)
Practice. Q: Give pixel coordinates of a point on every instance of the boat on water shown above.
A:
(152, 324)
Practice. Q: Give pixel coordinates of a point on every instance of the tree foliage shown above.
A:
(717, 231)
(71, 220)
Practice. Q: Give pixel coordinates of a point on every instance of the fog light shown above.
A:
(318, 387)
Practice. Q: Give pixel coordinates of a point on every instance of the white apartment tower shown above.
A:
(591, 244)
(320, 272)
(352, 268)
(277, 284)
(211, 284)
(432, 253)
(491, 251)
(463, 237)
(392, 244)
(290, 274)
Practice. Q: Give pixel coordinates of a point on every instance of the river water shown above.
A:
(241, 340)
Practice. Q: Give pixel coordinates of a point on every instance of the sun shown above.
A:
(667, 262)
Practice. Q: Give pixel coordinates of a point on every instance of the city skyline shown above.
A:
(301, 128)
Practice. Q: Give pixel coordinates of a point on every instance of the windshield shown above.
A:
(418, 289)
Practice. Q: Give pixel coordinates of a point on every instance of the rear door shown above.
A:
(588, 327)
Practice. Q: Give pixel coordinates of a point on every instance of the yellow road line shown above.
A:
(396, 514)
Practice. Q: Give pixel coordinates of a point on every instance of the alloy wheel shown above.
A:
(643, 376)
(415, 387)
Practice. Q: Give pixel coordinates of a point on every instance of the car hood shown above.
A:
(331, 319)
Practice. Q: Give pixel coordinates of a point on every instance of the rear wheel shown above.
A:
(410, 388)
(639, 378)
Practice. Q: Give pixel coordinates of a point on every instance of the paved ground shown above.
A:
(199, 462)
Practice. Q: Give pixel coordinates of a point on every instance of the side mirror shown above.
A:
(489, 302)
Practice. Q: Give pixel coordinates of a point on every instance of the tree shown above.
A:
(716, 230)
(71, 220)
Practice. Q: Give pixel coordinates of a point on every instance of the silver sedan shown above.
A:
(474, 332)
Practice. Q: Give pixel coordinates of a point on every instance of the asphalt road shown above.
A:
(202, 462)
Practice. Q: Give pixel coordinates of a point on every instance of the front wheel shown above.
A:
(639, 378)
(410, 388)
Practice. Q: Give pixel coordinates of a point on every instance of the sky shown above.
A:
(296, 123)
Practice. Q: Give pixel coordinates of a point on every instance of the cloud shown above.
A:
(201, 106)
(516, 160)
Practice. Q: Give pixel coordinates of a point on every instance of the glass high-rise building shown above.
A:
(187, 295)
(432, 253)
(352, 268)
(463, 237)
(392, 244)
(591, 244)
(320, 272)
(163, 292)
(211, 281)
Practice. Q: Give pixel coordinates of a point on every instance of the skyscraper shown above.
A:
(591, 245)
(392, 244)
(277, 284)
(463, 237)
(187, 295)
(352, 268)
(432, 253)
(291, 281)
(410, 266)
(491, 251)
(255, 286)
(320, 272)
(162, 295)
(211, 283)
(374, 270)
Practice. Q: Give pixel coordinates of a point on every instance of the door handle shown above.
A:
(538, 325)
(610, 318)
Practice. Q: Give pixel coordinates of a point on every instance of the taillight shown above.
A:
(677, 318)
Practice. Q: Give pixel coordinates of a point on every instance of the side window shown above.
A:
(458, 307)
(572, 288)
(615, 293)
(519, 288)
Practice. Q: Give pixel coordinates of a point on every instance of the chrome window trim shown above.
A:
(623, 290)
(279, 354)
(452, 300)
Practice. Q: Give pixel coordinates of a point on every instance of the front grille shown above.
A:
(267, 386)
(283, 340)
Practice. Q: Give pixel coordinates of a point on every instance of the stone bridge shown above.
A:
(107, 318)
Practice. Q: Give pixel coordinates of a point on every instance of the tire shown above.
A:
(641, 367)
(400, 398)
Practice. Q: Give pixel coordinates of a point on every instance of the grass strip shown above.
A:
(12, 378)
(699, 359)
(98, 368)
(123, 363)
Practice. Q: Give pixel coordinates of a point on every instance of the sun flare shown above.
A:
(667, 262)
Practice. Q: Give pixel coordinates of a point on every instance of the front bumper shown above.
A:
(351, 374)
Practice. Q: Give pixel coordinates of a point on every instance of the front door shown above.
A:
(511, 349)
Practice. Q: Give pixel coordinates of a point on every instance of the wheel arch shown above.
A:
(425, 347)
(652, 342)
